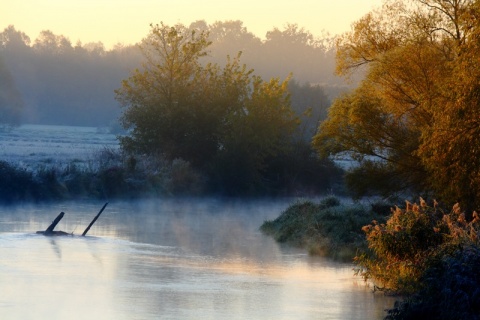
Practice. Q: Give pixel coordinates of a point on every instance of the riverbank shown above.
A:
(328, 228)
(108, 177)
(426, 255)
(50, 163)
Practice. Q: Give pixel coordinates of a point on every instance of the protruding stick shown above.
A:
(94, 219)
(49, 231)
(55, 222)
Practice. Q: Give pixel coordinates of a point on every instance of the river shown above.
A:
(169, 259)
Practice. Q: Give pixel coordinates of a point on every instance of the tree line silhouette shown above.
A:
(54, 81)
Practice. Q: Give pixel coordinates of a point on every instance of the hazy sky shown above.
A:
(127, 21)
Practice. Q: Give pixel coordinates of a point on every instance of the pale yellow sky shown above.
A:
(127, 21)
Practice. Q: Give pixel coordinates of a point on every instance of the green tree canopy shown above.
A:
(224, 121)
(413, 118)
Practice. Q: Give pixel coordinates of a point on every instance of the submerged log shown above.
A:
(54, 233)
(94, 219)
(49, 231)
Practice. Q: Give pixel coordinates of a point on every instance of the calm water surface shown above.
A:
(168, 259)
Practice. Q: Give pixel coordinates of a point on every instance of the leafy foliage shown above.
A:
(451, 147)
(414, 114)
(64, 83)
(429, 256)
(162, 111)
(225, 121)
(77, 81)
(310, 103)
(413, 239)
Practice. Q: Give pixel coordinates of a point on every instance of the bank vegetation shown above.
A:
(412, 125)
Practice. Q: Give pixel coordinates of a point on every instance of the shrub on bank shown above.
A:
(327, 228)
(108, 175)
(15, 183)
(410, 242)
(429, 256)
(450, 288)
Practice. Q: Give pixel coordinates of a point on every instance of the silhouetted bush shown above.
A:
(300, 172)
(78, 181)
(50, 185)
(112, 181)
(111, 174)
(180, 179)
(16, 184)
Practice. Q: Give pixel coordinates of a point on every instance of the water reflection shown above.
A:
(171, 259)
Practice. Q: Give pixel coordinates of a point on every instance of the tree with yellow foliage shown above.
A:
(412, 122)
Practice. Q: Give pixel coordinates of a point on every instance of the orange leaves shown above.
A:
(404, 246)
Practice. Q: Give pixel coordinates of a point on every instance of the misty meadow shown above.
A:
(213, 112)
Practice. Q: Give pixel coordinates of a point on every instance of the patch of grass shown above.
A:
(327, 228)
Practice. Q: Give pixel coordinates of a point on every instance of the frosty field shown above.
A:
(35, 145)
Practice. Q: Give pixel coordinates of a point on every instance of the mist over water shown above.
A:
(168, 259)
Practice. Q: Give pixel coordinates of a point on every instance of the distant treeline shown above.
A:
(56, 82)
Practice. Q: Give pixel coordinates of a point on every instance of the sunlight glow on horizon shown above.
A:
(127, 21)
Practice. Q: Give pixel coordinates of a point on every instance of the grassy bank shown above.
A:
(109, 175)
(328, 228)
(426, 255)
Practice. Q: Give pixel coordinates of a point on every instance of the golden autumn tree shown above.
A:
(399, 122)
(451, 146)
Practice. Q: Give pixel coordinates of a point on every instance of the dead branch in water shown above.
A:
(94, 219)
(49, 231)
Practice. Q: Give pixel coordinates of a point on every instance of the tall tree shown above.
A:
(11, 39)
(47, 41)
(298, 51)
(207, 115)
(451, 148)
(160, 95)
(414, 54)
